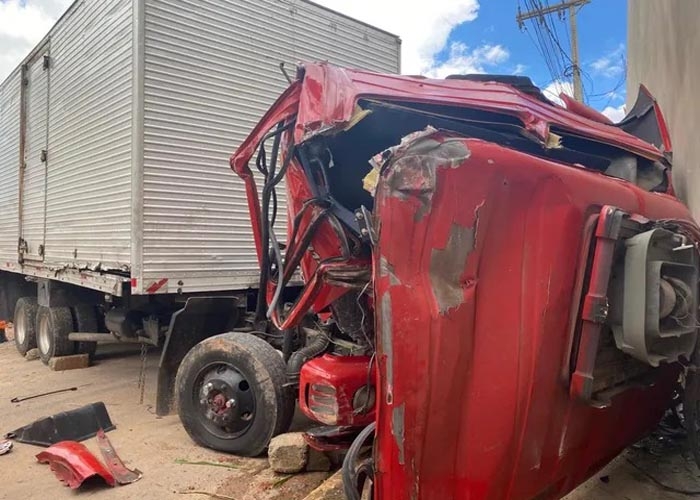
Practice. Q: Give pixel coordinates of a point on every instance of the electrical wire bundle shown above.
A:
(545, 35)
(551, 36)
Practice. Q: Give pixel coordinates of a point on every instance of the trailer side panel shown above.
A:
(34, 129)
(88, 204)
(9, 169)
(211, 71)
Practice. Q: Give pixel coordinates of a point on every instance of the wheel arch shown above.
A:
(199, 319)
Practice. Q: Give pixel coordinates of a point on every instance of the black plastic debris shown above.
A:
(75, 425)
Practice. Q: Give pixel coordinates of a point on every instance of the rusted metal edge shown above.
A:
(121, 473)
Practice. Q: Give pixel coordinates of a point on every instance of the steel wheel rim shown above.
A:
(43, 335)
(20, 329)
(216, 385)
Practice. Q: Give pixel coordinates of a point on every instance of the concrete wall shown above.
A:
(663, 50)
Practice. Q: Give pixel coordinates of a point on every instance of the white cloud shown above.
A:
(615, 113)
(614, 95)
(23, 23)
(424, 31)
(557, 87)
(519, 69)
(611, 64)
(464, 61)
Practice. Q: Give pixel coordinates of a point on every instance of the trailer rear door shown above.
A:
(35, 156)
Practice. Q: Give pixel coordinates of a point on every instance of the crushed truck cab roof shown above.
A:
(325, 98)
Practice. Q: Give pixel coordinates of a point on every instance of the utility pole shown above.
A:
(571, 6)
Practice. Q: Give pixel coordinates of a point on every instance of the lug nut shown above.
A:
(230, 403)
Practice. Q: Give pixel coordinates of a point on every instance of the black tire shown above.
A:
(85, 320)
(25, 331)
(53, 324)
(265, 373)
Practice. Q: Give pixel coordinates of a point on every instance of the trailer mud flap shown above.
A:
(201, 318)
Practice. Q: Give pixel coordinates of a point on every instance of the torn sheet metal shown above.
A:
(429, 146)
(411, 168)
(74, 425)
(474, 299)
(378, 160)
(73, 464)
(326, 99)
(121, 473)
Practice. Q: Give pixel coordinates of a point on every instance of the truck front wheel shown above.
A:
(53, 324)
(231, 394)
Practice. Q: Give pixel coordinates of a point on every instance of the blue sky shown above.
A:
(467, 36)
(602, 27)
(439, 37)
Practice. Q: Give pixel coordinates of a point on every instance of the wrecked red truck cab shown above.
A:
(521, 277)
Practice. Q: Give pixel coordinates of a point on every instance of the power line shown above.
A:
(559, 62)
(547, 40)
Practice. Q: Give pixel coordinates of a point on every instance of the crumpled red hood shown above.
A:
(327, 95)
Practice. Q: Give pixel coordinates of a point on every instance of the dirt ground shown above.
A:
(158, 446)
(632, 476)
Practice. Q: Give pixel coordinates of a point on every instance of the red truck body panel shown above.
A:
(474, 298)
(475, 275)
(326, 98)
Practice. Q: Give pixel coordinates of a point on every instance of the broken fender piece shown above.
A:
(114, 463)
(75, 425)
(73, 464)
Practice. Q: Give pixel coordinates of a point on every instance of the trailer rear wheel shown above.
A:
(232, 395)
(53, 324)
(85, 320)
(25, 332)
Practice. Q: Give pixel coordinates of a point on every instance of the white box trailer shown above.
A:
(115, 134)
(119, 212)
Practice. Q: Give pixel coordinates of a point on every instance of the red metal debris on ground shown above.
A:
(73, 464)
(114, 463)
